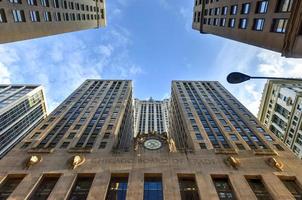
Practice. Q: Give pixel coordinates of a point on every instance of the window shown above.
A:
(45, 187)
(202, 145)
(117, 188)
(188, 188)
(258, 188)
(222, 21)
(232, 22)
(240, 146)
(153, 188)
(35, 17)
(2, 16)
(18, 15)
(279, 147)
(224, 10)
(258, 24)
(262, 7)
(9, 185)
(293, 188)
(284, 5)
(243, 23)
(245, 8)
(234, 9)
(32, 2)
(223, 188)
(102, 145)
(81, 187)
(279, 25)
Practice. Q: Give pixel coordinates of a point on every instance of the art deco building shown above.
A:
(280, 111)
(151, 115)
(22, 107)
(26, 19)
(270, 24)
(218, 150)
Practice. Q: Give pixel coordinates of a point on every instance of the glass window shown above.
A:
(284, 5)
(153, 188)
(293, 188)
(44, 189)
(232, 22)
(258, 24)
(262, 6)
(243, 23)
(81, 188)
(259, 189)
(246, 8)
(188, 188)
(279, 25)
(224, 188)
(9, 185)
(117, 189)
(234, 9)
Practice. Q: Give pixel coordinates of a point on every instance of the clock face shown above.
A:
(152, 144)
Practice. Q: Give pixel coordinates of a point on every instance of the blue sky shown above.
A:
(150, 42)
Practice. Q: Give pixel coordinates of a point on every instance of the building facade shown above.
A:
(280, 111)
(151, 115)
(217, 150)
(270, 24)
(22, 107)
(27, 19)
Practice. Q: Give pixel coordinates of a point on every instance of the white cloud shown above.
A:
(4, 75)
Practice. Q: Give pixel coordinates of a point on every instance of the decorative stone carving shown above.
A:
(33, 160)
(77, 161)
(232, 161)
(274, 163)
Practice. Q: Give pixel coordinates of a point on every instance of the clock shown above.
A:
(152, 144)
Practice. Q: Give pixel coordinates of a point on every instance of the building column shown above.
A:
(99, 186)
(206, 187)
(25, 188)
(170, 185)
(63, 187)
(241, 187)
(275, 187)
(135, 184)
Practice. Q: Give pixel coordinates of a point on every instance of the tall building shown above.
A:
(270, 24)
(280, 111)
(218, 150)
(27, 19)
(22, 107)
(151, 115)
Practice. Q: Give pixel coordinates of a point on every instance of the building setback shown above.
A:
(270, 24)
(27, 19)
(217, 150)
(280, 111)
(151, 115)
(22, 107)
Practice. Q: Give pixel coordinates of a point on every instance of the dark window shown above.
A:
(262, 7)
(224, 188)
(188, 188)
(284, 5)
(259, 189)
(44, 189)
(2, 16)
(202, 145)
(293, 188)
(153, 188)
(117, 189)
(81, 188)
(9, 185)
(243, 23)
(258, 24)
(246, 8)
(279, 25)
(234, 9)
(279, 147)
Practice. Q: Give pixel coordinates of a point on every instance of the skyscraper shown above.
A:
(270, 24)
(218, 150)
(22, 107)
(280, 111)
(151, 115)
(26, 19)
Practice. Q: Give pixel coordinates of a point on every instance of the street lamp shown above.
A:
(237, 77)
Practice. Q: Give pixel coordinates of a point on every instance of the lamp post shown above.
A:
(237, 77)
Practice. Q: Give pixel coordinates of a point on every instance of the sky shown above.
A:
(149, 42)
